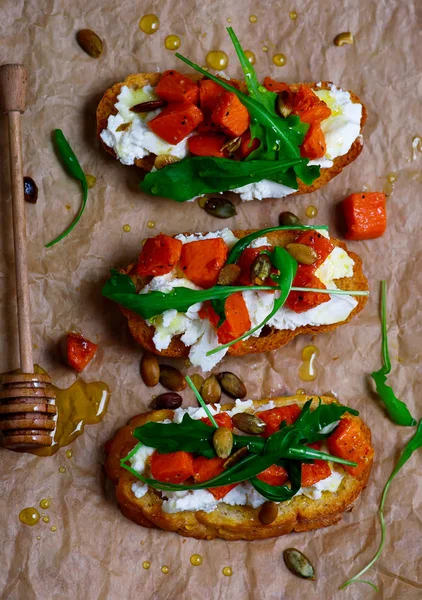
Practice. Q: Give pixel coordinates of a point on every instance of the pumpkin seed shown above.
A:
(260, 269)
(162, 160)
(232, 385)
(288, 218)
(268, 512)
(298, 563)
(148, 106)
(198, 381)
(211, 390)
(90, 42)
(30, 190)
(248, 423)
(150, 370)
(229, 274)
(123, 127)
(223, 442)
(343, 38)
(235, 457)
(285, 103)
(304, 255)
(232, 145)
(171, 378)
(169, 400)
(220, 208)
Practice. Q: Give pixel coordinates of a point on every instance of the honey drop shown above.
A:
(45, 503)
(311, 212)
(165, 569)
(217, 60)
(253, 19)
(279, 60)
(227, 571)
(308, 370)
(196, 560)
(172, 42)
(126, 228)
(53, 528)
(250, 56)
(300, 392)
(293, 15)
(46, 519)
(62, 470)
(149, 24)
(29, 516)
(264, 48)
(146, 564)
(69, 453)
(91, 180)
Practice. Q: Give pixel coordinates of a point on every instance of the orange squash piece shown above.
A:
(322, 246)
(78, 351)
(349, 441)
(237, 320)
(308, 107)
(222, 420)
(366, 215)
(302, 301)
(209, 91)
(207, 145)
(176, 87)
(159, 255)
(273, 417)
(246, 147)
(313, 145)
(275, 86)
(207, 468)
(231, 115)
(318, 471)
(174, 467)
(202, 260)
(274, 475)
(176, 122)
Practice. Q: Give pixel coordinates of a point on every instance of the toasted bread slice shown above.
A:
(226, 521)
(106, 108)
(144, 333)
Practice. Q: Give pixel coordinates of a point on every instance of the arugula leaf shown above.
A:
(244, 242)
(198, 175)
(315, 425)
(396, 409)
(287, 267)
(414, 444)
(121, 289)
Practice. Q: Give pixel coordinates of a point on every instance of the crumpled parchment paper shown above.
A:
(96, 553)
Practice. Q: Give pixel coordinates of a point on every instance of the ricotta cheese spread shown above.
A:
(243, 494)
(199, 334)
(135, 140)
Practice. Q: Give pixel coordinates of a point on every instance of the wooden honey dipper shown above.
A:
(27, 408)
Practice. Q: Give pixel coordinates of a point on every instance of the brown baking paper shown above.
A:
(96, 553)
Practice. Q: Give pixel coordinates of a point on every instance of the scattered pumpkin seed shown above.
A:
(268, 512)
(162, 160)
(198, 381)
(211, 390)
(232, 385)
(169, 400)
(248, 423)
(123, 127)
(288, 218)
(260, 269)
(285, 103)
(150, 369)
(298, 563)
(171, 378)
(343, 38)
(223, 442)
(229, 274)
(148, 106)
(90, 42)
(235, 457)
(30, 190)
(232, 145)
(220, 208)
(305, 255)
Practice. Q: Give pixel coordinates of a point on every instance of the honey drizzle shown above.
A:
(308, 370)
(79, 405)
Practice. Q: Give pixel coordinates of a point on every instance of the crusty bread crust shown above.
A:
(227, 522)
(106, 108)
(144, 333)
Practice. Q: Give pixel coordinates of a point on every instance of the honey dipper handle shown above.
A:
(13, 90)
